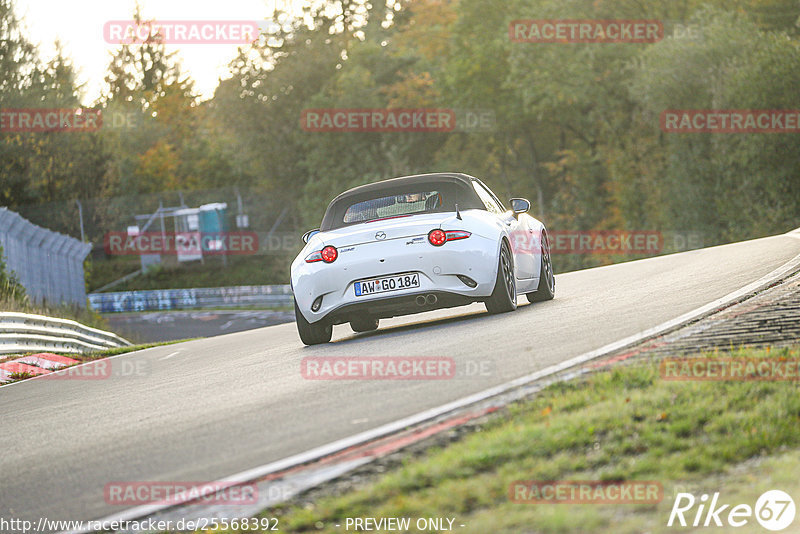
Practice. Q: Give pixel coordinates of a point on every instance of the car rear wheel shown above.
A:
(364, 324)
(547, 280)
(312, 333)
(504, 296)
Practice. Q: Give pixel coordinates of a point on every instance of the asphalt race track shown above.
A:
(175, 325)
(207, 409)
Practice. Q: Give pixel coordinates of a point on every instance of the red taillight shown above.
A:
(455, 235)
(329, 254)
(437, 237)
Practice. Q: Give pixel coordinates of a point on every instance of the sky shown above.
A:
(78, 24)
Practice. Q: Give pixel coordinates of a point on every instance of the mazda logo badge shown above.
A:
(380, 235)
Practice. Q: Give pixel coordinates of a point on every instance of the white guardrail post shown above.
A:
(22, 332)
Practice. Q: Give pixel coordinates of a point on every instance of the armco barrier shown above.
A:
(196, 298)
(22, 332)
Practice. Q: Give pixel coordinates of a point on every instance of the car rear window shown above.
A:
(401, 200)
(393, 206)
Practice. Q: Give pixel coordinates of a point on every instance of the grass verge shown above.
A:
(622, 424)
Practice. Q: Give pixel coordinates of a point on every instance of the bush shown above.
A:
(10, 288)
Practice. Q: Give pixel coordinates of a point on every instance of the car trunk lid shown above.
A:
(386, 229)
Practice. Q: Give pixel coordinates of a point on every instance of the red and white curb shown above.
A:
(34, 364)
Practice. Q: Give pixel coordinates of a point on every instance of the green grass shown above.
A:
(620, 424)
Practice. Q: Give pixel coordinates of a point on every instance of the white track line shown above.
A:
(390, 428)
(168, 356)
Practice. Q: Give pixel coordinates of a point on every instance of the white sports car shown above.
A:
(414, 244)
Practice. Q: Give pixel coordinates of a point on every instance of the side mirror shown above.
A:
(520, 205)
(309, 234)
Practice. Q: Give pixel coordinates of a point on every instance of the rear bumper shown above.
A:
(438, 269)
(394, 306)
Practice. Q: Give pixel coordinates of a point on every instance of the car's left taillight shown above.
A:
(327, 254)
(437, 237)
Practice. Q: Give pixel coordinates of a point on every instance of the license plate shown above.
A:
(386, 283)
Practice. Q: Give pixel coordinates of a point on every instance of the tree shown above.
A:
(727, 185)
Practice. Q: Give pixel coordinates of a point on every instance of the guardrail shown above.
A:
(22, 332)
(197, 298)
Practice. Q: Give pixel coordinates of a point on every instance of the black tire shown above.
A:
(364, 324)
(504, 295)
(547, 280)
(312, 333)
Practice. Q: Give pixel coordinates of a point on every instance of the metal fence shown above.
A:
(48, 264)
(196, 298)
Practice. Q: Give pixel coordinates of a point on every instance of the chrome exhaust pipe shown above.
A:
(421, 300)
(431, 300)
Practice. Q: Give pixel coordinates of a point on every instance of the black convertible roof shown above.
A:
(461, 181)
(403, 181)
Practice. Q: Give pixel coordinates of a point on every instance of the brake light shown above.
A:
(437, 237)
(327, 254)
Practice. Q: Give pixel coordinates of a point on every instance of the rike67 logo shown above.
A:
(774, 510)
